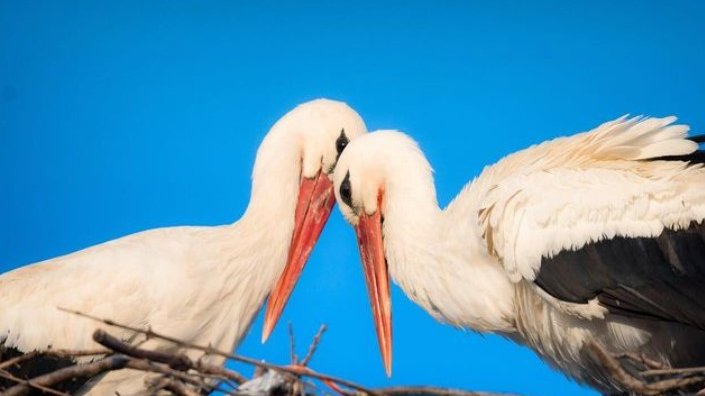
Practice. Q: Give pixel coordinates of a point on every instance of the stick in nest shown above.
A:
(292, 345)
(179, 362)
(314, 344)
(139, 359)
(634, 384)
(295, 370)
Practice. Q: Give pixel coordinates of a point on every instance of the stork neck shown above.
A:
(442, 267)
(252, 252)
(275, 176)
(263, 234)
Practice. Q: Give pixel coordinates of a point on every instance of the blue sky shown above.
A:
(124, 116)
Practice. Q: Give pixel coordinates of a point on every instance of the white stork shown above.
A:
(598, 236)
(199, 284)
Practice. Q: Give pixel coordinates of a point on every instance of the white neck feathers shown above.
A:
(437, 258)
(250, 255)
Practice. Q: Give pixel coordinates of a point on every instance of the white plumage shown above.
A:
(594, 236)
(199, 284)
(568, 192)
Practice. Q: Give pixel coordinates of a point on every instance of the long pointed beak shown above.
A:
(369, 239)
(313, 207)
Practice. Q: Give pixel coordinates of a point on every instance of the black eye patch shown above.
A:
(346, 190)
(341, 142)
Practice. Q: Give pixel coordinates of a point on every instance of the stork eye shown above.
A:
(341, 142)
(346, 190)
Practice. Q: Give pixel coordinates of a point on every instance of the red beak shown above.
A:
(313, 207)
(374, 264)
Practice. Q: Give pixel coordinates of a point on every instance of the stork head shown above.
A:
(381, 174)
(319, 131)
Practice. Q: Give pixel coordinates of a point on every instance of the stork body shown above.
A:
(202, 285)
(598, 236)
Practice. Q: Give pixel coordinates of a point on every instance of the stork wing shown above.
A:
(123, 280)
(141, 280)
(649, 277)
(614, 214)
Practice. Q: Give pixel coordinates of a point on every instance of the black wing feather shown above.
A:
(697, 138)
(660, 278)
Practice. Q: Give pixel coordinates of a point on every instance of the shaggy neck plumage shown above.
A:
(435, 261)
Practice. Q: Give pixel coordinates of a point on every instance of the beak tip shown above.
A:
(266, 331)
(387, 360)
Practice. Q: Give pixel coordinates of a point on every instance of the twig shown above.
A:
(178, 389)
(640, 358)
(18, 359)
(291, 370)
(179, 362)
(674, 371)
(184, 376)
(632, 383)
(292, 345)
(115, 362)
(62, 353)
(297, 370)
(67, 373)
(146, 365)
(173, 387)
(314, 344)
(18, 380)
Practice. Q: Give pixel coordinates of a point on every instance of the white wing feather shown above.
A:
(571, 191)
(126, 280)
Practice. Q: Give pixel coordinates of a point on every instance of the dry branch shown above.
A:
(44, 389)
(176, 361)
(671, 380)
(292, 345)
(68, 373)
(59, 353)
(314, 344)
(172, 386)
(293, 370)
(178, 374)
